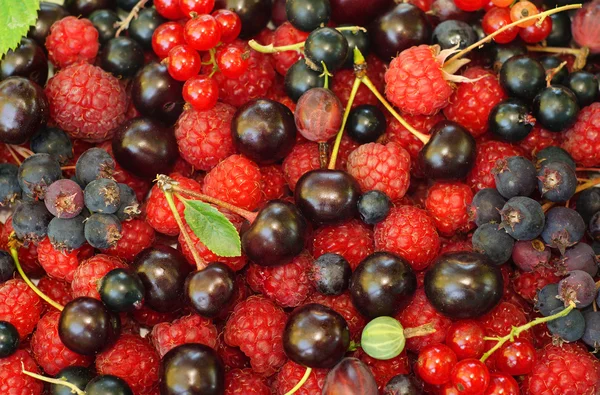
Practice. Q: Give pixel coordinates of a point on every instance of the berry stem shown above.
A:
(552, 72)
(272, 49)
(200, 264)
(516, 330)
(12, 153)
(541, 16)
(124, 24)
(326, 74)
(423, 330)
(323, 148)
(580, 54)
(67, 168)
(24, 152)
(74, 389)
(580, 188)
(300, 383)
(587, 169)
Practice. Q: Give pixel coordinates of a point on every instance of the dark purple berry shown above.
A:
(76, 375)
(64, 199)
(129, 206)
(594, 226)
(36, 173)
(7, 266)
(102, 196)
(121, 290)
(52, 141)
(67, 233)
(28, 60)
(529, 254)
(330, 274)
(522, 218)
(486, 206)
(30, 221)
(107, 385)
(553, 154)
(10, 190)
(307, 15)
(93, 164)
(102, 230)
(515, 176)
(580, 257)
(9, 339)
(402, 385)
(547, 300)
(588, 203)
(557, 181)
(493, 242)
(564, 227)
(578, 287)
(591, 335)
(366, 123)
(569, 328)
(373, 207)
(209, 291)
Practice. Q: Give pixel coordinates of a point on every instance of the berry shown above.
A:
(36, 173)
(538, 139)
(7, 266)
(352, 240)
(502, 384)
(12, 378)
(93, 164)
(197, 6)
(121, 291)
(501, 320)
(308, 15)
(88, 275)
(202, 32)
(470, 376)
(122, 57)
(230, 24)
(580, 257)
(64, 199)
(447, 205)
(522, 218)
(52, 141)
(20, 306)
(486, 206)
(547, 299)
(495, 19)
(581, 138)
(515, 176)
(189, 329)
(291, 373)
(273, 182)
(303, 158)
(366, 123)
(527, 284)
(465, 338)
(510, 120)
(493, 242)
(184, 62)
(522, 76)
(590, 335)
(521, 10)
(61, 264)
(373, 207)
(166, 37)
(287, 34)
(578, 287)
(30, 221)
(330, 274)
(102, 230)
(344, 306)
(343, 80)
(516, 358)
(563, 228)
(318, 114)
(584, 85)
(328, 46)
(136, 235)
(435, 363)
(384, 371)
(545, 104)
(72, 40)
(102, 196)
(10, 190)
(9, 339)
(245, 381)
(469, 5)
(488, 153)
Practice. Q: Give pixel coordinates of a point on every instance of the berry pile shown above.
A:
(301, 197)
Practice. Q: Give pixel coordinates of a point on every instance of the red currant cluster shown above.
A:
(194, 33)
(500, 13)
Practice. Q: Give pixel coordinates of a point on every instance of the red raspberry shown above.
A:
(344, 306)
(57, 290)
(148, 317)
(236, 180)
(20, 306)
(136, 235)
(526, 284)
(353, 240)
(287, 34)
(139, 186)
(12, 379)
(583, 138)
(88, 275)
(303, 158)
(28, 255)
(538, 139)
(134, 360)
(409, 232)
(233, 357)
(291, 373)
(287, 285)
(49, 351)
(471, 103)
(565, 369)
(86, 102)
(189, 329)
(420, 312)
(455, 244)
(62, 264)
(383, 371)
(256, 327)
(254, 83)
(415, 82)
(158, 213)
(273, 183)
(502, 318)
(246, 382)
(343, 80)
(72, 40)
(204, 137)
(487, 153)
(447, 203)
(382, 167)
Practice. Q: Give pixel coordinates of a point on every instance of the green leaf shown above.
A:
(383, 338)
(15, 18)
(212, 228)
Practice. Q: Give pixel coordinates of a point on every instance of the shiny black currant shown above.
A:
(121, 290)
(366, 123)
(122, 57)
(300, 78)
(28, 60)
(209, 290)
(555, 108)
(9, 339)
(510, 120)
(326, 45)
(307, 15)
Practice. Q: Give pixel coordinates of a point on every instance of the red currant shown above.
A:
(435, 364)
(497, 18)
(169, 9)
(201, 92)
(231, 24)
(202, 32)
(449, 389)
(184, 62)
(521, 10)
(534, 33)
(469, 5)
(502, 384)
(232, 61)
(465, 338)
(470, 376)
(516, 358)
(502, 3)
(166, 37)
(197, 6)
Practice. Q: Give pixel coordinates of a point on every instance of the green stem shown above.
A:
(300, 383)
(338, 138)
(272, 49)
(73, 387)
(250, 216)
(326, 74)
(213, 61)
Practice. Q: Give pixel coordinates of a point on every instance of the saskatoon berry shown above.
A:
(373, 207)
(510, 120)
(209, 290)
(450, 34)
(107, 385)
(529, 254)
(142, 28)
(36, 173)
(122, 57)
(27, 60)
(64, 199)
(584, 85)
(121, 291)
(67, 234)
(554, 154)
(522, 218)
(52, 141)
(563, 228)
(486, 206)
(555, 108)
(104, 21)
(594, 226)
(515, 176)
(102, 196)
(588, 203)
(10, 190)
(300, 78)
(578, 287)
(366, 123)
(522, 77)
(7, 266)
(591, 334)
(547, 300)
(580, 257)
(129, 206)
(330, 274)
(326, 45)
(79, 376)
(318, 114)
(9, 339)
(570, 328)
(254, 14)
(46, 16)
(552, 63)
(93, 164)
(30, 221)
(356, 39)
(102, 231)
(308, 15)
(557, 181)
(494, 243)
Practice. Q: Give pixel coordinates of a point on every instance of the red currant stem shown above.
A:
(326, 74)
(353, 346)
(213, 61)
(200, 263)
(300, 383)
(12, 153)
(516, 330)
(15, 255)
(67, 168)
(24, 152)
(124, 24)
(541, 16)
(580, 54)
(64, 382)
(250, 216)
(423, 330)
(272, 49)
(323, 148)
(338, 138)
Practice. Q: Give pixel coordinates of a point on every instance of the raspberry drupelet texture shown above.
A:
(347, 145)
(385, 370)
(291, 373)
(245, 381)
(62, 264)
(353, 240)
(256, 327)
(12, 379)
(20, 306)
(303, 158)
(286, 34)
(72, 40)
(502, 318)
(487, 153)
(343, 305)
(396, 133)
(538, 139)
(90, 272)
(344, 79)
(189, 329)
(583, 139)
(204, 137)
(86, 102)
(136, 235)
(447, 205)
(385, 168)
(526, 284)
(409, 232)
(273, 183)
(57, 290)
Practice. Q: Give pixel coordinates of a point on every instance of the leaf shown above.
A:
(15, 18)
(212, 228)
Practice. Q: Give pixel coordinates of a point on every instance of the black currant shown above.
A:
(9, 339)
(46, 16)
(122, 57)
(330, 274)
(453, 34)
(28, 60)
(300, 78)
(373, 207)
(555, 108)
(142, 28)
(104, 21)
(255, 14)
(366, 123)
(79, 376)
(326, 45)
(510, 120)
(356, 39)
(121, 290)
(584, 85)
(552, 63)
(307, 15)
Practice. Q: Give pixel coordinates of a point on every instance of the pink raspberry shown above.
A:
(353, 240)
(189, 329)
(347, 145)
(447, 204)
(583, 138)
(72, 40)
(303, 158)
(57, 290)
(286, 34)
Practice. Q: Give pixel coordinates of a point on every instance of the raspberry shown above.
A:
(538, 139)
(343, 80)
(136, 235)
(353, 240)
(303, 158)
(204, 137)
(12, 379)
(20, 306)
(344, 306)
(88, 275)
(383, 371)
(447, 203)
(72, 40)
(382, 167)
(487, 153)
(455, 245)
(28, 255)
(583, 138)
(134, 360)
(471, 103)
(49, 351)
(287, 34)
(148, 317)
(158, 213)
(254, 83)
(409, 232)
(527, 284)
(233, 357)
(236, 180)
(189, 329)
(256, 327)
(287, 285)
(139, 186)
(415, 82)
(241, 292)
(420, 312)
(86, 102)
(291, 373)
(61, 264)
(565, 369)
(398, 134)
(245, 381)
(57, 290)
(502, 318)
(273, 185)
